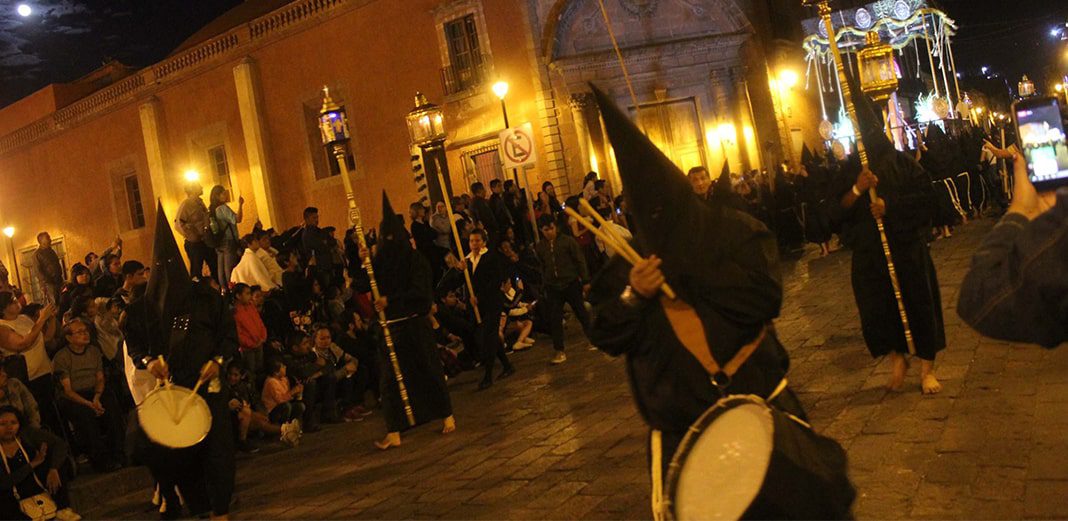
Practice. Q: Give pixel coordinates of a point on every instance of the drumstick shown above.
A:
(608, 229)
(171, 406)
(189, 399)
(617, 245)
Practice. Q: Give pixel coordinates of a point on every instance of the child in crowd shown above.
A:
(248, 418)
(251, 333)
(280, 400)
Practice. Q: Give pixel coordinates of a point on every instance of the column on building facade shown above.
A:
(151, 113)
(250, 106)
(724, 127)
(747, 131)
(579, 104)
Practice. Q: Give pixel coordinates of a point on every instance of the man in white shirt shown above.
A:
(266, 255)
(251, 270)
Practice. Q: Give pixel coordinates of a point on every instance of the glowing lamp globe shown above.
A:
(9, 231)
(878, 75)
(426, 122)
(333, 123)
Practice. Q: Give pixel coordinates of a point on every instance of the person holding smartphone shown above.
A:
(1017, 286)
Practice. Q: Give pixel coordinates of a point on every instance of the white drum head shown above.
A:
(158, 415)
(724, 470)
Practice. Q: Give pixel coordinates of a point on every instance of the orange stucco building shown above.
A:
(237, 103)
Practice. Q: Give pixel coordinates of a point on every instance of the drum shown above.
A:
(174, 416)
(743, 459)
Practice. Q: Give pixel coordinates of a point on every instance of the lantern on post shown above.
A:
(878, 76)
(334, 128)
(426, 129)
(1026, 87)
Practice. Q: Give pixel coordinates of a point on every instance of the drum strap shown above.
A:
(656, 455)
(691, 333)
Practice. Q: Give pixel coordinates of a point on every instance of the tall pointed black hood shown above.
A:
(807, 158)
(872, 129)
(169, 286)
(670, 220)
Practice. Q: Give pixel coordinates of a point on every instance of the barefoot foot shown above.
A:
(897, 373)
(448, 425)
(391, 440)
(930, 384)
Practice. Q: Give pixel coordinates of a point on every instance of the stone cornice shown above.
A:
(241, 40)
(681, 53)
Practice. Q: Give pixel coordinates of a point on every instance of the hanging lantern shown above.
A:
(878, 76)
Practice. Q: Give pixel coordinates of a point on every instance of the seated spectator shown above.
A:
(111, 279)
(24, 337)
(303, 367)
(110, 338)
(458, 319)
(267, 255)
(33, 462)
(247, 418)
(250, 269)
(14, 393)
(337, 369)
(280, 400)
(1017, 287)
(520, 320)
(450, 346)
(85, 308)
(80, 284)
(359, 341)
(79, 367)
(251, 333)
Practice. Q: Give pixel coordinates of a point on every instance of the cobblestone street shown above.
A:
(567, 443)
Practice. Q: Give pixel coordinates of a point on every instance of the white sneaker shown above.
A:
(67, 515)
(559, 358)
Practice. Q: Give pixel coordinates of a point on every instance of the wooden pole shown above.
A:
(455, 233)
(825, 15)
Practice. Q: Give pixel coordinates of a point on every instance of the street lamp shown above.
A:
(334, 128)
(500, 89)
(191, 176)
(10, 233)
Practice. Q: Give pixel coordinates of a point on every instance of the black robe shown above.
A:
(812, 191)
(739, 294)
(404, 279)
(909, 196)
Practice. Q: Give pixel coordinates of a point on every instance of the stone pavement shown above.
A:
(566, 442)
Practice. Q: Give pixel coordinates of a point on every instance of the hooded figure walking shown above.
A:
(906, 203)
(406, 295)
(723, 266)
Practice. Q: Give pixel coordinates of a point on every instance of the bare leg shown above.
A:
(391, 440)
(261, 423)
(448, 425)
(525, 327)
(928, 381)
(244, 419)
(897, 373)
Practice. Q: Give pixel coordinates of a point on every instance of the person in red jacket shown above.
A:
(251, 333)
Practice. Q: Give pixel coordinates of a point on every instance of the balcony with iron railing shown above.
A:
(466, 75)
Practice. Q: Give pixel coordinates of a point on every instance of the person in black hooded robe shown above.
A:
(906, 202)
(813, 183)
(406, 289)
(935, 157)
(722, 264)
(190, 326)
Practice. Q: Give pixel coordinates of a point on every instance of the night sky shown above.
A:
(65, 39)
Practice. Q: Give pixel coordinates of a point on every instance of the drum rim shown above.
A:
(671, 481)
(198, 403)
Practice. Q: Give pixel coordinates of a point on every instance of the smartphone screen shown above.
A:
(1042, 139)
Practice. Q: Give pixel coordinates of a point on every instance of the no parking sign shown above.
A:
(517, 146)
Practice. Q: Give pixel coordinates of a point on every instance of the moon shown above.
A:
(24, 10)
